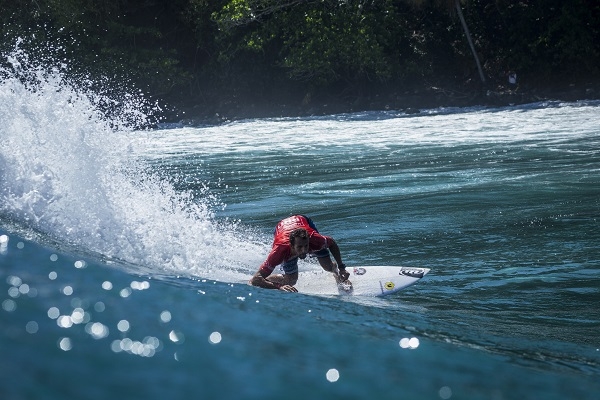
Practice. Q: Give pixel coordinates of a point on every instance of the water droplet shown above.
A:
(14, 292)
(65, 344)
(24, 288)
(332, 375)
(9, 305)
(99, 306)
(135, 285)
(14, 281)
(53, 313)
(97, 330)
(445, 392)
(31, 327)
(64, 321)
(123, 325)
(78, 315)
(409, 343)
(3, 244)
(215, 338)
(176, 337)
(165, 316)
(115, 346)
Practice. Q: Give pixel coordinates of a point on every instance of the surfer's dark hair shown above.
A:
(299, 233)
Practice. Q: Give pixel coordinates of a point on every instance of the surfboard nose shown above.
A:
(414, 272)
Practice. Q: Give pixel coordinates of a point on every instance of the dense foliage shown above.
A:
(223, 53)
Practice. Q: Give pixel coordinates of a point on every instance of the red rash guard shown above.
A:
(281, 250)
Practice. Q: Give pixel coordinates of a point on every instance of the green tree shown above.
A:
(325, 42)
(454, 6)
(133, 39)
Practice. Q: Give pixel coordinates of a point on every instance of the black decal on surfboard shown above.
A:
(360, 271)
(412, 272)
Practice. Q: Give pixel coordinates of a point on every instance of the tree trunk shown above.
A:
(468, 35)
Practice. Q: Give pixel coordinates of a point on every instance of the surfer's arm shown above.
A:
(280, 282)
(338, 268)
(335, 252)
(261, 281)
(263, 278)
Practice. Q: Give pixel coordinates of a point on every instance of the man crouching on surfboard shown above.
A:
(295, 237)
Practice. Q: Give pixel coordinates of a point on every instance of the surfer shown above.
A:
(295, 237)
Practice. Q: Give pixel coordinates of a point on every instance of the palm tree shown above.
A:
(468, 35)
(455, 5)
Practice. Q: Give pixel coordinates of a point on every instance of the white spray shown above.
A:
(66, 171)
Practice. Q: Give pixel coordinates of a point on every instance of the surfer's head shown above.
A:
(299, 242)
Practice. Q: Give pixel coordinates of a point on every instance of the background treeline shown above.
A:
(272, 57)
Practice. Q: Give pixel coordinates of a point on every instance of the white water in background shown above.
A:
(67, 174)
(343, 132)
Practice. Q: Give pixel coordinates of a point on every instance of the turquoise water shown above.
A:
(124, 253)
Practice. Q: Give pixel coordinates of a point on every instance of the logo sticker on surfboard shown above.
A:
(412, 272)
(360, 271)
(389, 285)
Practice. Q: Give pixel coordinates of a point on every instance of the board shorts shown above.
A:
(291, 266)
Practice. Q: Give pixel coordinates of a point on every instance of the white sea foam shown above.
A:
(68, 171)
(526, 125)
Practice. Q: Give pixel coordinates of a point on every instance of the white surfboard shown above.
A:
(366, 280)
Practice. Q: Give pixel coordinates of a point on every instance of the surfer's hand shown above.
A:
(340, 272)
(346, 286)
(344, 275)
(288, 288)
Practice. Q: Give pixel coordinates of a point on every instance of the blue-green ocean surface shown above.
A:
(124, 254)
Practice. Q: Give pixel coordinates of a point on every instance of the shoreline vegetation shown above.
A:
(225, 110)
(209, 62)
